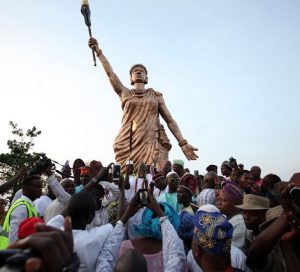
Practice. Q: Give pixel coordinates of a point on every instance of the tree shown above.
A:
(20, 154)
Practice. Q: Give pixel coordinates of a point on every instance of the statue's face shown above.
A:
(139, 75)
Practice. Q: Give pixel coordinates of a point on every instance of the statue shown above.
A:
(139, 138)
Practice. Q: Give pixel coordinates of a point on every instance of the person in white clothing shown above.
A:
(230, 196)
(136, 183)
(31, 189)
(87, 243)
(43, 202)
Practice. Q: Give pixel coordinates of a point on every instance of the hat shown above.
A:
(227, 163)
(254, 202)
(129, 163)
(66, 166)
(172, 173)
(271, 215)
(233, 189)
(189, 182)
(209, 208)
(212, 232)
(179, 162)
(27, 226)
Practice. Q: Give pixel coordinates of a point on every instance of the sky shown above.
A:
(229, 72)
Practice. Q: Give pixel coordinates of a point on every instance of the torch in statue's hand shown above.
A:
(85, 10)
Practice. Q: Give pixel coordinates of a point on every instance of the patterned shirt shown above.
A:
(207, 196)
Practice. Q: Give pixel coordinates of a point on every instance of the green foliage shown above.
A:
(20, 153)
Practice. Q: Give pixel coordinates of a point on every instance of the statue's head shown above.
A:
(138, 73)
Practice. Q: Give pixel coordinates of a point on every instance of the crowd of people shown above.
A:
(94, 218)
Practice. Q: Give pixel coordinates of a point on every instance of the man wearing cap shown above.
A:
(178, 167)
(185, 191)
(229, 197)
(254, 210)
(66, 170)
(171, 196)
(160, 184)
(136, 183)
(211, 245)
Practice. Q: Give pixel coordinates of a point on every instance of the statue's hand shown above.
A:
(93, 44)
(189, 152)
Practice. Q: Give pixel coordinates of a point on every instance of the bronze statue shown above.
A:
(142, 107)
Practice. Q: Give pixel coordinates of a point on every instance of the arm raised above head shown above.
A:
(188, 150)
(114, 80)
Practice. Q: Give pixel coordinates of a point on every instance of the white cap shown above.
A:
(209, 208)
(129, 163)
(172, 173)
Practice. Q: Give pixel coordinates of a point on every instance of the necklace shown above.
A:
(138, 93)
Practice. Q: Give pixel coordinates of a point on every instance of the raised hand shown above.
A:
(93, 44)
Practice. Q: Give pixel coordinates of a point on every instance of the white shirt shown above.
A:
(17, 195)
(239, 230)
(135, 185)
(238, 260)
(58, 190)
(87, 243)
(19, 214)
(172, 246)
(157, 192)
(41, 204)
(55, 208)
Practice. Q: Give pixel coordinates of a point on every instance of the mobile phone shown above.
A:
(116, 171)
(196, 173)
(143, 197)
(295, 193)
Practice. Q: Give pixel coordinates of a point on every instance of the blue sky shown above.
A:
(229, 72)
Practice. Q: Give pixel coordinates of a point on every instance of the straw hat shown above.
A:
(254, 202)
(271, 215)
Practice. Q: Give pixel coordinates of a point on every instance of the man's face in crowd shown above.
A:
(246, 181)
(255, 172)
(142, 173)
(183, 195)
(225, 203)
(178, 168)
(84, 179)
(253, 218)
(225, 170)
(129, 169)
(173, 182)
(35, 189)
(160, 183)
(69, 186)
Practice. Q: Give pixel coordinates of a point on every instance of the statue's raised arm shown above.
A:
(114, 80)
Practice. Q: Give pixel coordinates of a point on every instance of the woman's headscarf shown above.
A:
(150, 226)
